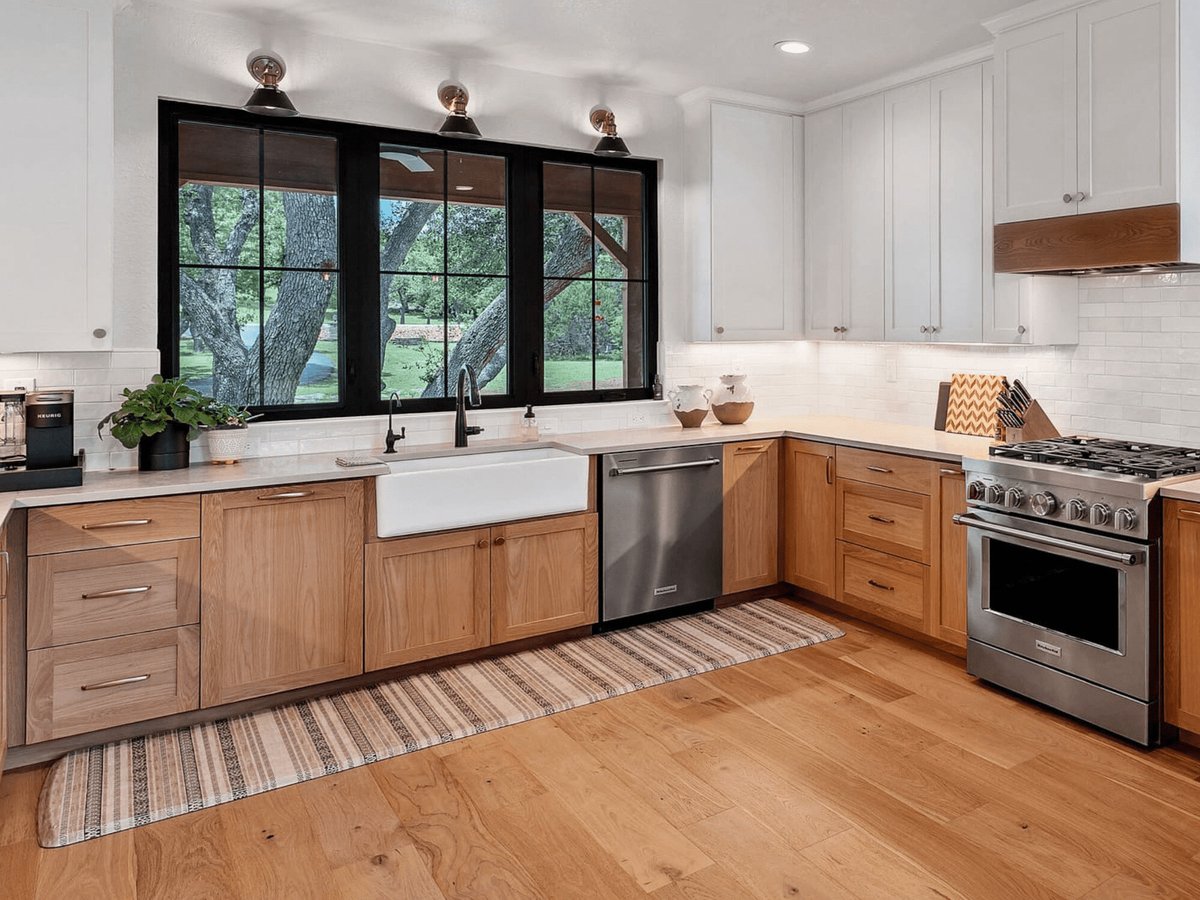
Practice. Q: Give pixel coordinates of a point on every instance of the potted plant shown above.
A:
(229, 435)
(159, 420)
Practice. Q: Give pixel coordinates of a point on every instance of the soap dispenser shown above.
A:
(529, 425)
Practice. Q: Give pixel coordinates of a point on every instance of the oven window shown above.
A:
(1079, 599)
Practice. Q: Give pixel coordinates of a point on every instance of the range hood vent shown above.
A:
(1146, 239)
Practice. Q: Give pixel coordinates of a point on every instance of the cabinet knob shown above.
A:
(1020, 329)
(99, 333)
(482, 543)
(498, 541)
(1081, 196)
(1068, 198)
(924, 329)
(720, 329)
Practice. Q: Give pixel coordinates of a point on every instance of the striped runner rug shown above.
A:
(104, 789)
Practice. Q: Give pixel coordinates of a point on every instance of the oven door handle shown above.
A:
(1128, 559)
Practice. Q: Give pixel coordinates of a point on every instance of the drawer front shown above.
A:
(92, 526)
(887, 469)
(895, 522)
(100, 684)
(886, 586)
(94, 594)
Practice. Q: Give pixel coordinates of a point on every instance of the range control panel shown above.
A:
(1089, 509)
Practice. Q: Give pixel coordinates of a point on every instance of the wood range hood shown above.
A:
(1146, 239)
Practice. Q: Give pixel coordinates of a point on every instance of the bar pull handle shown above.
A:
(124, 523)
(116, 592)
(638, 470)
(878, 584)
(3, 573)
(116, 682)
(829, 470)
(750, 448)
(883, 470)
(881, 519)
(287, 495)
(951, 471)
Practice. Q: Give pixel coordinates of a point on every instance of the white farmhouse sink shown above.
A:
(422, 495)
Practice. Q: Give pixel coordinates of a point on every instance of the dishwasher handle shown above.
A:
(666, 467)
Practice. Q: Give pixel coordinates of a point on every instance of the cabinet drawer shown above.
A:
(91, 526)
(886, 586)
(93, 594)
(100, 684)
(887, 469)
(895, 522)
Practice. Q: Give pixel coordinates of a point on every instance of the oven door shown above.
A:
(1078, 602)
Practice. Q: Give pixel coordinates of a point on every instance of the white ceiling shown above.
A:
(669, 46)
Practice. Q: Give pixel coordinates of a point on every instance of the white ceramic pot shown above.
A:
(227, 445)
(690, 403)
(733, 401)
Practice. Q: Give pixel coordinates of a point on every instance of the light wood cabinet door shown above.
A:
(426, 597)
(882, 585)
(281, 589)
(951, 616)
(545, 576)
(751, 515)
(1181, 614)
(809, 516)
(6, 562)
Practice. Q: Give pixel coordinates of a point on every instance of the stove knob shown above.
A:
(993, 494)
(1101, 514)
(975, 490)
(1044, 503)
(1127, 519)
(1014, 497)
(1077, 510)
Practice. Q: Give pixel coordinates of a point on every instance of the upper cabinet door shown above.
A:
(1035, 121)
(755, 244)
(910, 212)
(862, 226)
(56, 77)
(823, 225)
(1128, 122)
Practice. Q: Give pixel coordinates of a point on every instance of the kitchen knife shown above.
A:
(1009, 402)
(1022, 394)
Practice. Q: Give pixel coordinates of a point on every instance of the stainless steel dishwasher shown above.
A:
(660, 530)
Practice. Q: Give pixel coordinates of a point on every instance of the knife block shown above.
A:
(1038, 427)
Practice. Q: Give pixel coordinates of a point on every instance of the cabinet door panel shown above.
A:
(862, 138)
(426, 597)
(1035, 120)
(951, 621)
(281, 589)
(751, 515)
(1181, 614)
(824, 253)
(1127, 104)
(545, 576)
(809, 516)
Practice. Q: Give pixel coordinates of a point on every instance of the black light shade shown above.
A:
(459, 125)
(611, 145)
(453, 98)
(270, 101)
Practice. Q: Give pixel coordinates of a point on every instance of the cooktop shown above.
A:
(1106, 456)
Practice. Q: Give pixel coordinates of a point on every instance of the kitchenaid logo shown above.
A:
(1052, 649)
(666, 589)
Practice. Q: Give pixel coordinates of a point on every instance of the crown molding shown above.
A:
(1031, 12)
(706, 94)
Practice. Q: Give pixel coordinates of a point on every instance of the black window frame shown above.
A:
(359, 263)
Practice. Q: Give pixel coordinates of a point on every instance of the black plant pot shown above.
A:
(168, 449)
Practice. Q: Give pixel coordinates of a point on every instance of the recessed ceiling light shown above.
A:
(795, 47)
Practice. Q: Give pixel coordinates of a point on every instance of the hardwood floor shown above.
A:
(865, 767)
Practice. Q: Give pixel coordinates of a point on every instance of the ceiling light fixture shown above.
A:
(609, 144)
(268, 69)
(793, 47)
(454, 98)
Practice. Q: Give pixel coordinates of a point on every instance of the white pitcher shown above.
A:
(690, 403)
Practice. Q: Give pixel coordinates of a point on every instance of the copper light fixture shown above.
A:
(458, 124)
(609, 144)
(268, 69)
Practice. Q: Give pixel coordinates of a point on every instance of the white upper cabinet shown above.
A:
(824, 291)
(1032, 309)
(56, 157)
(1086, 111)
(745, 222)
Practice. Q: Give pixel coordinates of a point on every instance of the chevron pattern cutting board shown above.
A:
(973, 402)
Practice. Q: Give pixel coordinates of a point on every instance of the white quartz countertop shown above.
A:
(253, 473)
(1187, 490)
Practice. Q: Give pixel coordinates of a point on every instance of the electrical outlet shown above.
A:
(637, 420)
(547, 426)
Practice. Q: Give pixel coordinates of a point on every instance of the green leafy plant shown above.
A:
(229, 415)
(148, 411)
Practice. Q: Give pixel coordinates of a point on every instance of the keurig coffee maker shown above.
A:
(49, 429)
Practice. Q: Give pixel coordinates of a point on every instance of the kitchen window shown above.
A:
(312, 268)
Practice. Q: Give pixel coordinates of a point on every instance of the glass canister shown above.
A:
(12, 422)
(734, 401)
(690, 404)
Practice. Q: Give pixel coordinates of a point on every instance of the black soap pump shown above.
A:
(529, 425)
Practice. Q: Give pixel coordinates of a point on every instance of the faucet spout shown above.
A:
(466, 375)
(391, 438)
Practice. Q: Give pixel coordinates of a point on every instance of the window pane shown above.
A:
(568, 336)
(477, 226)
(413, 354)
(619, 224)
(299, 201)
(218, 332)
(479, 330)
(218, 195)
(619, 335)
(566, 220)
(412, 190)
(300, 338)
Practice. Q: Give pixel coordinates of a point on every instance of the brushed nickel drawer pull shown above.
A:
(876, 584)
(116, 592)
(756, 448)
(287, 495)
(883, 470)
(884, 519)
(124, 523)
(116, 682)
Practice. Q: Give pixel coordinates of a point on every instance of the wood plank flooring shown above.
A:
(862, 768)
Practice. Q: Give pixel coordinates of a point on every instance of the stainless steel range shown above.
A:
(1064, 600)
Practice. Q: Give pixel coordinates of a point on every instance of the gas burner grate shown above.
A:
(1106, 456)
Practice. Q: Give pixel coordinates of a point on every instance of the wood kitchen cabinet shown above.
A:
(950, 622)
(281, 589)
(751, 515)
(1181, 614)
(6, 561)
(809, 529)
